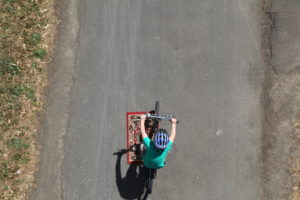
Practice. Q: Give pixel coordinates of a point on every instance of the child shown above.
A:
(157, 150)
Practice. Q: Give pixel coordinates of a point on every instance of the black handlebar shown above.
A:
(164, 117)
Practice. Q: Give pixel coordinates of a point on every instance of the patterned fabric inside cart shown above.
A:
(134, 138)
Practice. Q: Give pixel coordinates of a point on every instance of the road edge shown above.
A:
(281, 112)
(54, 119)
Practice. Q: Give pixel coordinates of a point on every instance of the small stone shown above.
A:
(219, 132)
(19, 172)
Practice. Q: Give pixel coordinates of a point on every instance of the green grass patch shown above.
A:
(21, 42)
(2, 89)
(34, 64)
(5, 26)
(17, 143)
(4, 170)
(8, 66)
(13, 103)
(17, 156)
(9, 1)
(29, 92)
(16, 90)
(40, 53)
(34, 39)
(21, 157)
(26, 90)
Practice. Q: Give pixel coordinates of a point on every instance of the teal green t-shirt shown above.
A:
(154, 158)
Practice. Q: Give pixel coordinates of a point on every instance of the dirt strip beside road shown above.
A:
(282, 109)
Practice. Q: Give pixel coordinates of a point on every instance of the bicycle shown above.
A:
(155, 118)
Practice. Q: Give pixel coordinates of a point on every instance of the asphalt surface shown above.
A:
(201, 59)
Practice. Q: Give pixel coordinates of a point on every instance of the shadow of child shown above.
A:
(132, 186)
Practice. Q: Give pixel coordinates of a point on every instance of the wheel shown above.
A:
(150, 185)
(157, 107)
(151, 176)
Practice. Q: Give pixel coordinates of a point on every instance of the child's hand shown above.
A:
(143, 117)
(173, 121)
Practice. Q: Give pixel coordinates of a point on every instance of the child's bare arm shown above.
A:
(173, 129)
(144, 134)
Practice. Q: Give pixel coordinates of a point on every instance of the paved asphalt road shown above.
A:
(202, 60)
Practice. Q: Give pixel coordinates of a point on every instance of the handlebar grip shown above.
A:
(177, 122)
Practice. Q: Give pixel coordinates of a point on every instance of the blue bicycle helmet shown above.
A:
(161, 139)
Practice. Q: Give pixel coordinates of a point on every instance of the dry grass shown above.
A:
(26, 37)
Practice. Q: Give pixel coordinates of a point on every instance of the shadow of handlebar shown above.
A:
(121, 151)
